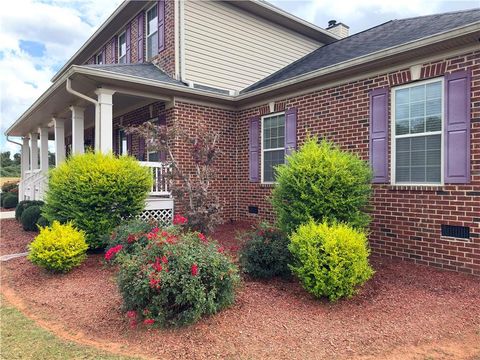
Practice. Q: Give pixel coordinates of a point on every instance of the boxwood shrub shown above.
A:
(96, 191)
(330, 260)
(22, 205)
(30, 217)
(9, 200)
(320, 181)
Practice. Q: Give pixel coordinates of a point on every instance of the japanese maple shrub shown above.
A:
(322, 182)
(175, 279)
(330, 260)
(265, 253)
(96, 191)
(191, 177)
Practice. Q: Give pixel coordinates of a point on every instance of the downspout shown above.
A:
(97, 110)
(14, 142)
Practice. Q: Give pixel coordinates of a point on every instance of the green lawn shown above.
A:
(21, 338)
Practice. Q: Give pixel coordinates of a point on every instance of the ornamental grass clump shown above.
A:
(175, 279)
(330, 260)
(96, 192)
(58, 248)
(322, 182)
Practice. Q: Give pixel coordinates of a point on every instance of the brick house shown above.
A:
(404, 95)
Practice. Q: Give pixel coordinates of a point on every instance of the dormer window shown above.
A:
(99, 58)
(152, 32)
(122, 48)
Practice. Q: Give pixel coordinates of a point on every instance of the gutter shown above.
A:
(14, 142)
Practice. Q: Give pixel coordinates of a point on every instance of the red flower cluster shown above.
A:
(148, 321)
(179, 220)
(132, 315)
(203, 238)
(131, 238)
(194, 270)
(112, 252)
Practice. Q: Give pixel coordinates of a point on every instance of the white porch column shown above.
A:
(105, 104)
(59, 127)
(43, 149)
(33, 151)
(25, 159)
(77, 129)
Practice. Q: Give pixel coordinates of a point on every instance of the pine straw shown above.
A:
(405, 311)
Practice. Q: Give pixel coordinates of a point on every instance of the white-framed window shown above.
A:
(417, 133)
(152, 31)
(122, 143)
(122, 48)
(99, 58)
(273, 145)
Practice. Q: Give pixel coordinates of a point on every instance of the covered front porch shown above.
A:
(88, 112)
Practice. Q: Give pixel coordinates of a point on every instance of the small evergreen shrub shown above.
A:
(42, 222)
(175, 279)
(9, 200)
(30, 218)
(22, 205)
(265, 254)
(330, 260)
(58, 248)
(96, 192)
(320, 181)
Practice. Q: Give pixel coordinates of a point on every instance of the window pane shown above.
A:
(152, 20)
(153, 156)
(402, 111)
(274, 132)
(434, 90)
(417, 109)
(402, 96)
(152, 45)
(434, 123)
(434, 174)
(122, 46)
(270, 160)
(417, 126)
(417, 93)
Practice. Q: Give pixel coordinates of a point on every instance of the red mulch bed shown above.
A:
(12, 237)
(402, 310)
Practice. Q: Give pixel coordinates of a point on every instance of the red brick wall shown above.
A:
(406, 220)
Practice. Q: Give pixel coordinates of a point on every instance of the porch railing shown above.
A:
(161, 182)
(33, 186)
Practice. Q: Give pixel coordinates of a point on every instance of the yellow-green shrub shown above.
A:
(58, 248)
(96, 191)
(330, 260)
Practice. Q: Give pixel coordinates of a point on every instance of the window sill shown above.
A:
(267, 185)
(415, 187)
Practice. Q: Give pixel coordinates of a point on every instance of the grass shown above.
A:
(21, 338)
(4, 180)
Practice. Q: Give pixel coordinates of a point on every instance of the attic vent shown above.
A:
(462, 232)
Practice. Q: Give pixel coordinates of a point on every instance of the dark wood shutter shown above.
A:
(254, 149)
(290, 130)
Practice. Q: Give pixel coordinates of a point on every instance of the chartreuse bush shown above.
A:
(96, 191)
(58, 248)
(330, 260)
(265, 253)
(320, 181)
(175, 279)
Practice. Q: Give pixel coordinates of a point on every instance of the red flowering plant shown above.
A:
(265, 252)
(176, 279)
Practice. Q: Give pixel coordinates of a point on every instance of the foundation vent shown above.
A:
(462, 232)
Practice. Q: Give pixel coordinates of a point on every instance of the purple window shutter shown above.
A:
(141, 149)
(161, 25)
(379, 134)
(140, 38)
(128, 43)
(114, 50)
(290, 130)
(457, 127)
(254, 149)
(162, 121)
(129, 144)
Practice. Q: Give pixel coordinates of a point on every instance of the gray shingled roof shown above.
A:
(146, 70)
(389, 34)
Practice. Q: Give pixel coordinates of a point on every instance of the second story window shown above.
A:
(152, 32)
(273, 145)
(122, 48)
(99, 59)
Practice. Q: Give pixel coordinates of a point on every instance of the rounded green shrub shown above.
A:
(58, 248)
(330, 260)
(42, 222)
(320, 181)
(175, 279)
(30, 218)
(96, 191)
(10, 200)
(265, 253)
(22, 205)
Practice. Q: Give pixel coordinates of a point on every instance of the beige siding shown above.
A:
(229, 48)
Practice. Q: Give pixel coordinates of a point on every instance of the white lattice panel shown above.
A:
(162, 216)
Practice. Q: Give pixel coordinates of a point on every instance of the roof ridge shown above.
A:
(438, 14)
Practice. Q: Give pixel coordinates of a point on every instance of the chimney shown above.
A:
(338, 29)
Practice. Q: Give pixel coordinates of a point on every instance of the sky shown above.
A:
(38, 36)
